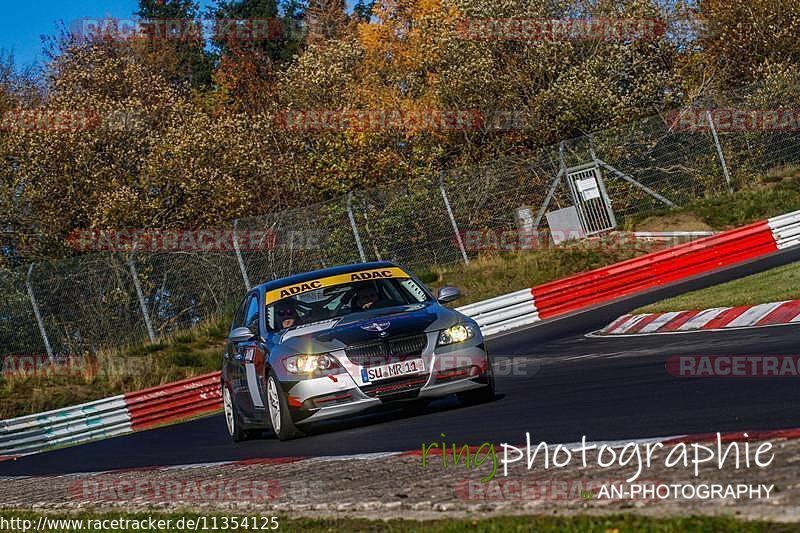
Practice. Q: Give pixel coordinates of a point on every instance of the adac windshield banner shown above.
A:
(339, 279)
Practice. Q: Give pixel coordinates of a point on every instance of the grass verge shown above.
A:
(775, 285)
(613, 523)
(778, 194)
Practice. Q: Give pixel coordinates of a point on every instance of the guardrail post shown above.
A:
(719, 150)
(140, 295)
(38, 315)
(453, 220)
(355, 228)
(239, 256)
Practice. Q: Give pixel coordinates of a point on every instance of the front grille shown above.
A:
(402, 387)
(388, 351)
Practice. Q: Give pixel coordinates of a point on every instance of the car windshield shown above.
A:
(342, 299)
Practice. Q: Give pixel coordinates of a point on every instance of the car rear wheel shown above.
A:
(232, 420)
(279, 416)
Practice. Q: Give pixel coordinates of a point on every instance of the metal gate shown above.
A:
(591, 200)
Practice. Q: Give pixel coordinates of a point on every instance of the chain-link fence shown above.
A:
(101, 300)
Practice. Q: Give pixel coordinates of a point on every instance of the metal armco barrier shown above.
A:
(111, 416)
(636, 275)
(80, 423)
(201, 395)
(174, 401)
(503, 312)
(786, 229)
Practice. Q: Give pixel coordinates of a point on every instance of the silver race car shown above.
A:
(339, 341)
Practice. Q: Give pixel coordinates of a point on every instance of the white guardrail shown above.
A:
(70, 425)
(786, 229)
(115, 416)
(502, 313)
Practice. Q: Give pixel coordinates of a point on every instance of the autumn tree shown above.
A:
(270, 28)
(741, 39)
(174, 42)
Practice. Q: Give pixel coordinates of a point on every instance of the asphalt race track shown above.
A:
(606, 389)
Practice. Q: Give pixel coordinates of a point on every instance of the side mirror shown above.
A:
(241, 335)
(448, 294)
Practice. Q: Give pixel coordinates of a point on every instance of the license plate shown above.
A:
(392, 370)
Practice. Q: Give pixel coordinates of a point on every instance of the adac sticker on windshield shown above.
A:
(339, 279)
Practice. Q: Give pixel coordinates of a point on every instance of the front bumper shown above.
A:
(448, 369)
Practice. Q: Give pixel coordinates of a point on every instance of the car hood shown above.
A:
(359, 328)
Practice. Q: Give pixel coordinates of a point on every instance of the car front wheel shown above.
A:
(232, 420)
(278, 408)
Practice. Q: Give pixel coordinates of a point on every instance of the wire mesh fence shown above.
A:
(94, 301)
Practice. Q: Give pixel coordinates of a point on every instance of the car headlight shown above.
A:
(455, 334)
(308, 364)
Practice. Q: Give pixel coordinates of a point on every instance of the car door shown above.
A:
(247, 393)
(230, 366)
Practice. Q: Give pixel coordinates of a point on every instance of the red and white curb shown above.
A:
(769, 314)
(739, 436)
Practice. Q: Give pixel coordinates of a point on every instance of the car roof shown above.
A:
(332, 271)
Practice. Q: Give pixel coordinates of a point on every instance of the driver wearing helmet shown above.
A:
(286, 314)
(366, 296)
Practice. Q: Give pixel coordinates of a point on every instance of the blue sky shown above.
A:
(25, 21)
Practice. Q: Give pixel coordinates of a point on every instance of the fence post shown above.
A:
(719, 150)
(355, 228)
(553, 186)
(453, 220)
(38, 315)
(140, 295)
(239, 256)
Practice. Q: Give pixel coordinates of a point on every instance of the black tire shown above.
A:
(233, 421)
(277, 405)
(482, 395)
